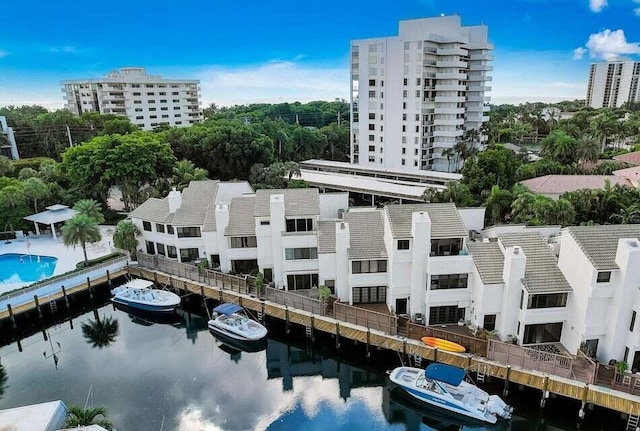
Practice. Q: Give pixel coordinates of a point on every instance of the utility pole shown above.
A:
(339, 118)
(69, 135)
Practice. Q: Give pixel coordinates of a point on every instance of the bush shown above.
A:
(98, 260)
(33, 163)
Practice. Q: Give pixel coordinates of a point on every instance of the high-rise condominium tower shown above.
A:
(147, 100)
(613, 83)
(414, 95)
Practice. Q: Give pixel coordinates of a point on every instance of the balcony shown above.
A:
(452, 64)
(450, 87)
(476, 66)
(448, 133)
(450, 99)
(478, 88)
(453, 51)
(448, 122)
(451, 75)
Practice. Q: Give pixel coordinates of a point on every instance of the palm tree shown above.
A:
(184, 172)
(90, 208)
(77, 417)
(459, 148)
(12, 199)
(564, 213)
(100, 333)
(125, 235)
(604, 125)
(291, 169)
(35, 189)
(588, 149)
(627, 215)
(80, 230)
(448, 153)
(498, 204)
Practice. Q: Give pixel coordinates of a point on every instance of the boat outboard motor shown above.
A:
(499, 407)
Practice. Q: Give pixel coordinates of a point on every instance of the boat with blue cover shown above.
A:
(231, 320)
(443, 386)
(139, 293)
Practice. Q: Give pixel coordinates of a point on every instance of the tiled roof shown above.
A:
(559, 184)
(230, 189)
(241, 221)
(489, 260)
(600, 243)
(195, 200)
(632, 173)
(631, 158)
(297, 202)
(541, 274)
(153, 209)
(366, 229)
(445, 220)
(327, 236)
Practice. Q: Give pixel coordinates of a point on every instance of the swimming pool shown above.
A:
(20, 268)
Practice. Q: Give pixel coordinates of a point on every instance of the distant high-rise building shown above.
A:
(613, 83)
(147, 100)
(414, 95)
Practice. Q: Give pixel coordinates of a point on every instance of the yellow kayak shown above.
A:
(442, 344)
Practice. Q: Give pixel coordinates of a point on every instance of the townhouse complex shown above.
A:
(576, 287)
(414, 95)
(613, 83)
(147, 100)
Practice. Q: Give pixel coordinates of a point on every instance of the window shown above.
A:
(446, 246)
(368, 266)
(189, 254)
(633, 321)
(299, 225)
(445, 314)
(171, 252)
(405, 82)
(244, 242)
(372, 147)
(150, 93)
(301, 253)
(403, 244)
(174, 93)
(160, 248)
(626, 354)
(372, 127)
(331, 285)
(159, 228)
(136, 93)
(372, 138)
(150, 247)
(547, 300)
(449, 281)
(489, 322)
(170, 229)
(188, 232)
(370, 295)
(372, 115)
(604, 277)
(265, 222)
(302, 281)
(147, 226)
(521, 299)
(268, 275)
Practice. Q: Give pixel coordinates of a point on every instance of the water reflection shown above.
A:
(100, 333)
(3, 381)
(177, 374)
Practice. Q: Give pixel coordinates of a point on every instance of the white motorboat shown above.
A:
(443, 386)
(138, 293)
(231, 321)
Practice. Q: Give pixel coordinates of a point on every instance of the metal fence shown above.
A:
(473, 345)
(533, 359)
(363, 317)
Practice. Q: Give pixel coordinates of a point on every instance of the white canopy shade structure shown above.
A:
(54, 214)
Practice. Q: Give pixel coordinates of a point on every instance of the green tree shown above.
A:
(498, 205)
(27, 173)
(34, 190)
(118, 126)
(587, 149)
(80, 230)
(559, 147)
(12, 205)
(78, 417)
(627, 215)
(494, 166)
(604, 125)
(456, 192)
(6, 166)
(90, 208)
(448, 153)
(184, 172)
(125, 237)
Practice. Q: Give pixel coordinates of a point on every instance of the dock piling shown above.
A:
(337, 335)
(286, 314)
(12, 316)
(66, 298)
(368, 342)
(109, 282)
(545, 392)
(35, 299)
(90, 288)
(505, 391)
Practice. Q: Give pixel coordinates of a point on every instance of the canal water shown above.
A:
(175, 375)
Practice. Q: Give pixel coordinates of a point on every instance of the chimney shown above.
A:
(175, 200)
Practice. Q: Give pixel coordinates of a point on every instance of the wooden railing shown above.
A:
(363, 317)
(295, 300)
(606, 375)
(529, 358)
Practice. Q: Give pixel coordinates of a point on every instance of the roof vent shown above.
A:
(341, 225)
(516, 250)
(633, 244)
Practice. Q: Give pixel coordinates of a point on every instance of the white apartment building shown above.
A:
(8, 147)
(602, 264)
(613, 83)
(147, 100)
(414, 95)
(417, 259)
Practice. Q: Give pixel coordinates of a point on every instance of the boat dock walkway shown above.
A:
(371, 333)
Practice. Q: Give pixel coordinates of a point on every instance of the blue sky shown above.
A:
(270, 51)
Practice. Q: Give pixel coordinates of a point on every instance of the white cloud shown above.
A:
(637, 10)
(578, 53)
(273, 82)
(609, 45)
(597, 5)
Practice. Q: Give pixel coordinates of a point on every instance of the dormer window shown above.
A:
(604, 277)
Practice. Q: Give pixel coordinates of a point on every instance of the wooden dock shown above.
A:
(373, 338)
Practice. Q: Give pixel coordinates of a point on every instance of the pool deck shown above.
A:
(68, 257)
